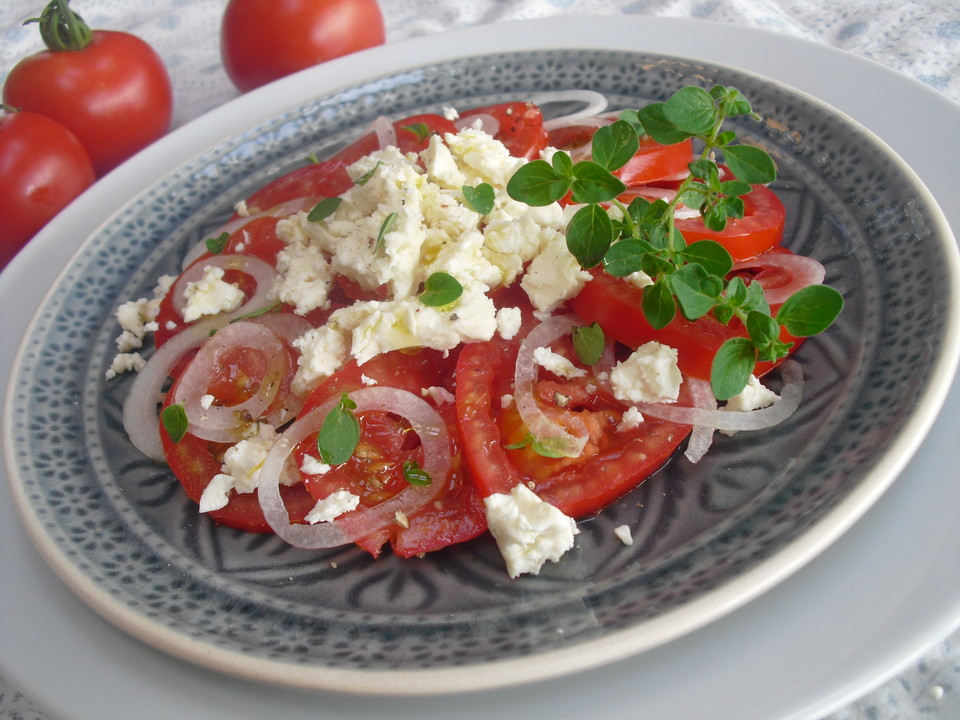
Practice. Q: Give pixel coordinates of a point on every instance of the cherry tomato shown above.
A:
(613, 461)
(42, 168)
(263, 40)
(110, 89)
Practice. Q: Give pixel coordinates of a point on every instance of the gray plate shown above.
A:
(706, 537)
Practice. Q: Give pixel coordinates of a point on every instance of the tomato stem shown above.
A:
(61, 28)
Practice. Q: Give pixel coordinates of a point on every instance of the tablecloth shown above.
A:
(920, 39)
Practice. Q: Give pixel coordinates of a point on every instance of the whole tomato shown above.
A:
(110, 89)
(42, 168)
(262, 40)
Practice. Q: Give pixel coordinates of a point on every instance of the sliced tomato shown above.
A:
(760, 228)
(653, 162)
(320, 180)
(520, 127)
(615, 304)
(375, 472)
(612, 462)
(413, 135)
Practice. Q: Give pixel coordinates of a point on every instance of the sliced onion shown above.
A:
(736, 421)
(437, 460)
(262, 272)
(547, 432)
(279, 211)
(227, 423)
(385, 131)
(141, 417)
(487, 123)
(701, 437)
(801, 270)
(595, 103)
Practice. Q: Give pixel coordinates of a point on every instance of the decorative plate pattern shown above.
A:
(338, 619)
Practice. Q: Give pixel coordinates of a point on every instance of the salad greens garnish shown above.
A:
(480, 198)
(588, 342)
(386, 226)
(642, 236)
(174, 421)
(324, 209)
(415, 475)
(216, 244)
(339, 433)
(421, 130)
(440, 289)
(362, 180)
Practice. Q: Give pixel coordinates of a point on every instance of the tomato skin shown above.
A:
(263, 40)
(114, 94)
(43, 167)
(521, 127)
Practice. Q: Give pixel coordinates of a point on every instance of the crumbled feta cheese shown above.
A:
(506, 401)
(206, 401)
(528, 531)
(508, 322)
(439, 395)
(553, 276)
(240, 470)
(754, 396)
(640, 279)
(332, 507)
(125, 362)
(441, 166)
(322, 352)
(314, 466)
(210, 295)
(304, 278)
(630, 420)
(368, 381)
(556, 363)
(624, 534)
(401, 519)
(650, 374)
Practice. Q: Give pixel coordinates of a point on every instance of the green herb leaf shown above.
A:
(593, 183)
(257, 313)
(697, 291)
(385, 227)
(692, 110)
(732, 366)
(174, 421)
(658, 127)
(588, 343)
(626, 256)
(363, 179)
(339, 433)
(217, 244)
(421, 130)
(711, 255)
(562, 165)
(324, 209)
(633, 117)
(589, 234)
(658, 305)
(415, 475)
(811, 310)
(750, 164)
(480, 198)
(540, 448)
(440, 289)
(537, 184)
(615, 145)
(763, 330)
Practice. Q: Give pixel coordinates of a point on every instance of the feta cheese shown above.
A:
(314, 466)
(630, 420)
(754, 396)
(650, 374)
(528, 531)
(304, 278)
(332, 507)
(508, 322)
(557, 364)
(125, 362)
(210, 295)
(240, 470)
(553, 276)
(322, 352)
(623, 534)
(439, 395)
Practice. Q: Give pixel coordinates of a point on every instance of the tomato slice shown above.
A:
(615, 304)
(653, 162)
(521, 127)
(612, 463)
(760, 228)
(320, 180)
(375, 472)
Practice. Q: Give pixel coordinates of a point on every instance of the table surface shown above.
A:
(919, 39)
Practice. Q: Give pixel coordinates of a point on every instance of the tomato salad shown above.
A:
(408, 343)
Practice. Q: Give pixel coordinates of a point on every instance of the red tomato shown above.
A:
(760, 228)
(42, 168)
(612, 462)
(110, 89)
(652, 162)
(375, 473)
(615, 304)
(320, 180)
(521, 127)
(263, 40)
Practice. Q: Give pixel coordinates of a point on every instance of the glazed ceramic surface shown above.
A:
(707, 537)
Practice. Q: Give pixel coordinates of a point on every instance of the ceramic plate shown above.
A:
(707, 537)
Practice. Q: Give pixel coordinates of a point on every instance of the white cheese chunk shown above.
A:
(528, 531)
(211, 295)
(332, 507)
(650, 374)
(556, 363)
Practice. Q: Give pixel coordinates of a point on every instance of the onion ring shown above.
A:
(803, 271)
(261, 271)
(595, 104)
(424, 420)
(701, 437)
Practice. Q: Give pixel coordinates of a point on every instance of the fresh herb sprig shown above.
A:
(689, 278)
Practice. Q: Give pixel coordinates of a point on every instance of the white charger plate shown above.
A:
(670, 37)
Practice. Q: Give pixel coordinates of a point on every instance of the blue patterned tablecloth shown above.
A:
(920, 39)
